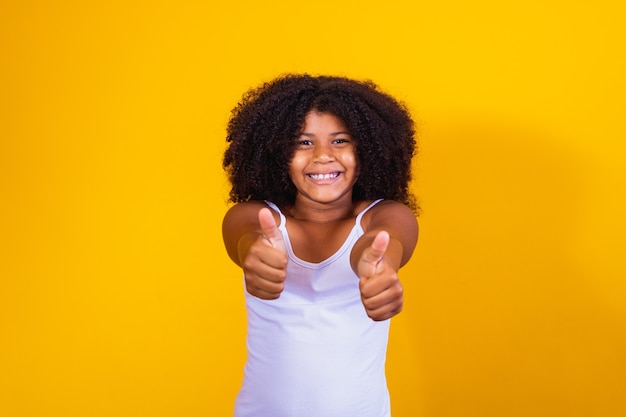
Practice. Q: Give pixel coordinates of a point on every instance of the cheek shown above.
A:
(357, 167)
(294, 166)
(351, 159)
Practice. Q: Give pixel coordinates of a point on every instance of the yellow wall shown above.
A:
(116, 296)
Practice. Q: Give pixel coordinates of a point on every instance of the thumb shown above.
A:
(374, 254)
(270, 230)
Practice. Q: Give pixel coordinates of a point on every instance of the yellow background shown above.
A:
(116, 296)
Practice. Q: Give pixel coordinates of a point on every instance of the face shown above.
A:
(324, 166)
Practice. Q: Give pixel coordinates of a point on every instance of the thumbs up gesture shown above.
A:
(265, 265)
(381, 290)
(272, 236)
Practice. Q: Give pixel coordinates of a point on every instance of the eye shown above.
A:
(341, 141)
(304, 142)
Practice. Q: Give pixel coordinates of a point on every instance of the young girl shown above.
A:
(323, 221)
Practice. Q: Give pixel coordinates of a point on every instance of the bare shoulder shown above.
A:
(243, 212)
(396, 219)
(244, 217)
(241, 219)
(390, 214)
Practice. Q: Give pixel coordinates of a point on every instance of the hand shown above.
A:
(265, 266)
(381, 291)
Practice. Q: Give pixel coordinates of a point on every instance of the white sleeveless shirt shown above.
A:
(314, 352)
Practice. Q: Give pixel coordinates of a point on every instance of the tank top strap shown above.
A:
(283, 220)
(274, 207)
(365, 210)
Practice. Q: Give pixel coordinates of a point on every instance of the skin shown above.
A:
(324, 169)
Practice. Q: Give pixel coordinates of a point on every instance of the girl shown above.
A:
(323, 221)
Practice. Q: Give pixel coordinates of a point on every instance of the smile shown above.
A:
(321, 177)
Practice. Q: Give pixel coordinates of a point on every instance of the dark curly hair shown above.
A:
(263, 127)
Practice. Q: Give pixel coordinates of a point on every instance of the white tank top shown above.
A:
(314, 352)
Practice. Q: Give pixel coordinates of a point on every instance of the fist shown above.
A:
(381, 290)
(265, 265)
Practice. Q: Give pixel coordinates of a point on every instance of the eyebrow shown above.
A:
(341, 132)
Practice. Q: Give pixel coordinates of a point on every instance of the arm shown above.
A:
(387, 244)
(254, 243)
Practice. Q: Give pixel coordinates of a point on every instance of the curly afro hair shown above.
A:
(263, 126)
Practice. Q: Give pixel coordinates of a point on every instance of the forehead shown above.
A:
(323, 122)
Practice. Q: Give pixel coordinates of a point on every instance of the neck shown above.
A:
(320, 212)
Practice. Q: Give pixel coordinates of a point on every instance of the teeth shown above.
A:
(320, 177)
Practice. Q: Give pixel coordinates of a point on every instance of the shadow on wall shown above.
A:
(499, 318)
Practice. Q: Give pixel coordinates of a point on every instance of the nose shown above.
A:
(323, 153)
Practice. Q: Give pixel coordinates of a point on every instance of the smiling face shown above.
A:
(324, 165)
